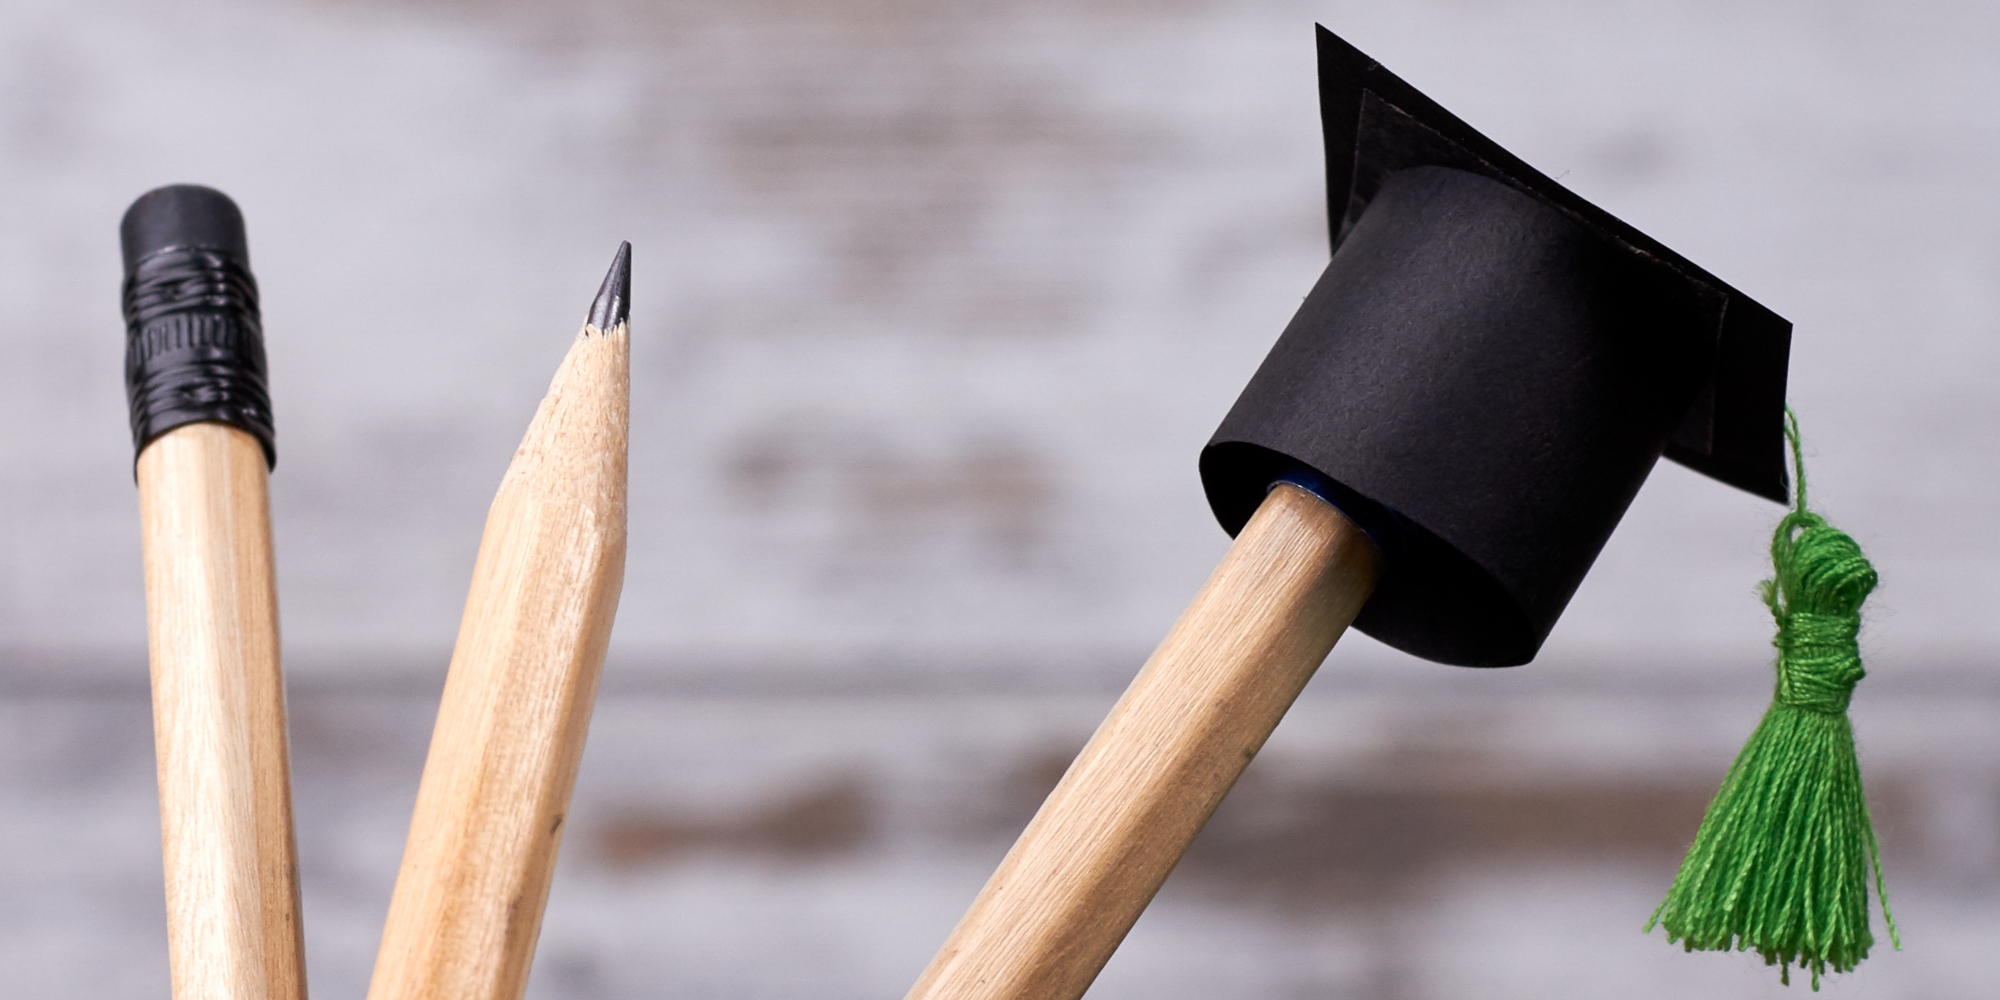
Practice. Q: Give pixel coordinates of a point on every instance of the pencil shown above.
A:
(467, 906)
(1108, 835)
(201, 424)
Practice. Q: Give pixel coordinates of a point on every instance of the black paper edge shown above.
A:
(1740, 439)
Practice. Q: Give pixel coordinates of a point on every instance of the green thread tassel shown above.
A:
(1782, 861)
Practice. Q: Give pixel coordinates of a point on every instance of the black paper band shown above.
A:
(194, 346)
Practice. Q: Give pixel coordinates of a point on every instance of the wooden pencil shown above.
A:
(467, 907)
(1122, 816)
(201, 424)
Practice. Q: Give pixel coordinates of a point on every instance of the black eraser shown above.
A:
(182, 215)
(194, 335)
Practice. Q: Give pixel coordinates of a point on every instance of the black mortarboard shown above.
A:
(1485, 374)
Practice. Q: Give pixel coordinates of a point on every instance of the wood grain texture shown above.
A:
(1107, 837)
(467, 907)
(219, 718)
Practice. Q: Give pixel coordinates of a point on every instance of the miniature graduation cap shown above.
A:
(1482, 378)
(1480, 382)
(1485, 374)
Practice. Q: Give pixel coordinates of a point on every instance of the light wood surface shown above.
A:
(467, 907)
(219, 718)
(1092, 858)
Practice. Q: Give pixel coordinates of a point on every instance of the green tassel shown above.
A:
(1782, 861)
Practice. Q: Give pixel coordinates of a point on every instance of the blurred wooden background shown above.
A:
(934, 305)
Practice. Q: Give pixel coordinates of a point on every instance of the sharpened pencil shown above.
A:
(468, 902)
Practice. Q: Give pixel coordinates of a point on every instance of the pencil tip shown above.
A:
(613, 305)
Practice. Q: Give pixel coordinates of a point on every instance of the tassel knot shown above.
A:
(1819, 661)
(1818, 582)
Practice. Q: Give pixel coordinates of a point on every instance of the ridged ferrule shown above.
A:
(194, 347)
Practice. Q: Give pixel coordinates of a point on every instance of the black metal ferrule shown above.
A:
(194, 346)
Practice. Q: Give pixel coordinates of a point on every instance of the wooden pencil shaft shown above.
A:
(1108, 836)
(233, 929)
(468, 902)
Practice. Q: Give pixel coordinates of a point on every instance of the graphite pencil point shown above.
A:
(612, 306)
